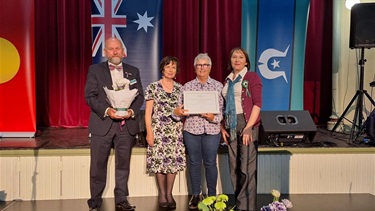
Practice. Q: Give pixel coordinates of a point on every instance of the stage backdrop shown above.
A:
(274, 34)
(17, 74)
(64, 49)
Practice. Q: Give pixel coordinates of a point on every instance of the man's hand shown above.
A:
(112, 114)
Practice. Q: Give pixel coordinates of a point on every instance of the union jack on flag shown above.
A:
(108, 20)
(138, 24)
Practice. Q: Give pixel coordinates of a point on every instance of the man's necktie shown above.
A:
(114, 67)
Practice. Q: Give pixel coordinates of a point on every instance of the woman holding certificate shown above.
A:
(202, 130)
(165, 151)
(243, 99)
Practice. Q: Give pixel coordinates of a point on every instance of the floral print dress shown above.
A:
(168, 153)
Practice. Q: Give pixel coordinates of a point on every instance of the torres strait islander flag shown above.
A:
(138, 24)
(274, 34)
(17, 69)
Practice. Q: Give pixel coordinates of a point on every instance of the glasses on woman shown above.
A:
(202, 65)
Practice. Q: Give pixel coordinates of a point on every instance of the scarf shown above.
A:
(230, 109)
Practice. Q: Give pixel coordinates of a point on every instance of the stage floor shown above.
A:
(301, 202)
(77, 138)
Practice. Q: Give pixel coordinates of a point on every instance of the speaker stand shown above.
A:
(358, 114)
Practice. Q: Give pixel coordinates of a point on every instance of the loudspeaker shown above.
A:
(362, 26)
(286, 127)
(370, 125)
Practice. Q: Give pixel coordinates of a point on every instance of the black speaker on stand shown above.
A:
(362, 35)
(362, 26)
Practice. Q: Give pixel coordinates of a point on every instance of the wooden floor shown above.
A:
(77, 138)
(301, 202)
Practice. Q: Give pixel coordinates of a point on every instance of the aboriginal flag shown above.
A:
(17, 73)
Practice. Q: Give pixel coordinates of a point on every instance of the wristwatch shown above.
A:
(133, 115)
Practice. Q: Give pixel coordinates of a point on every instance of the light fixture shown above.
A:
(350, 3)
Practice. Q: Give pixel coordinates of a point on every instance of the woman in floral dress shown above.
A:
(165, 151)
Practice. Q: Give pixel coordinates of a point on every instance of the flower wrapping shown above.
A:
(121, 97)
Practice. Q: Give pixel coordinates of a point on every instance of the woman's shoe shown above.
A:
(162, 203)
(194, 201)
(171, 202)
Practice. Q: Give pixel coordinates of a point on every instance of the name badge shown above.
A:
(132, 82)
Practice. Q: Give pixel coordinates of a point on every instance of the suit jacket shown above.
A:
(99, 76)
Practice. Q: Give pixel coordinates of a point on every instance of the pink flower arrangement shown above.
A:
(276, 205)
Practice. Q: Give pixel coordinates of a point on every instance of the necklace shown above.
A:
(168, 87)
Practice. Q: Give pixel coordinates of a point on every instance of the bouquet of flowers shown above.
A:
(276, 205)
(213, 203)
(121, 97)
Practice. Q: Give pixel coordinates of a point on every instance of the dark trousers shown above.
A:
(242, 165)
(101, 146)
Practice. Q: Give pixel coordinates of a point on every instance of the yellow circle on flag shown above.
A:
(9, 60)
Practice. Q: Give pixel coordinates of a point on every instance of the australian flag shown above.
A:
(138, 24)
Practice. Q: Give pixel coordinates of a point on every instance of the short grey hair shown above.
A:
(202, 56)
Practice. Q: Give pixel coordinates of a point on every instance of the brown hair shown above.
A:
(166, 61)
(246, 56)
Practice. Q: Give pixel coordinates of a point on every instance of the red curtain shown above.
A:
(63, 51)
(201, 26)
(181, 34)
(318, 62)
(63, 54)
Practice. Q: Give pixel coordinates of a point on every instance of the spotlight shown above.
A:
(350, 3)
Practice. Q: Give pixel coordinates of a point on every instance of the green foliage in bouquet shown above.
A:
(213, 203)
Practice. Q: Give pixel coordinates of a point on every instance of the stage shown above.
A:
(301, 202)
(50, 172)
(77, 138)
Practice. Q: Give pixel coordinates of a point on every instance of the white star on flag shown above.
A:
(275, 63)
(144, 21)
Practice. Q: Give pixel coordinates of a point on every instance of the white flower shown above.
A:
(287, 203)
(120, 84)
(275, 193)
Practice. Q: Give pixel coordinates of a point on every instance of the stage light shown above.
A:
(350, 3)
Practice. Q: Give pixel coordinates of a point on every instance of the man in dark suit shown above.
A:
(109, 130)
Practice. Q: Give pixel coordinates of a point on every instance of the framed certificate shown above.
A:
(199, 102)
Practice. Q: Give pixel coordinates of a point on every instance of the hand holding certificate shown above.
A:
(200, 102)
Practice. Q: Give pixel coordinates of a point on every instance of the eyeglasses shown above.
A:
(202, 65)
